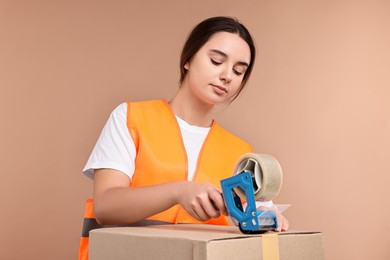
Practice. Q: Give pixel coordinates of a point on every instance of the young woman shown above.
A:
(162, 161)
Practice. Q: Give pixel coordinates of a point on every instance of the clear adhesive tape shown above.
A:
(266, 175)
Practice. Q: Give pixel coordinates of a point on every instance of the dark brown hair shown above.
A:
(202, 33)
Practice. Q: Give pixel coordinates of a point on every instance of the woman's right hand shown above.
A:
(201, 200)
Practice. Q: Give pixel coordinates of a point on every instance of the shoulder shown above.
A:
(120, 110)
(146, 104)
(148, 112)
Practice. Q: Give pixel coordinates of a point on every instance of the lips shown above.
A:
(219, 89)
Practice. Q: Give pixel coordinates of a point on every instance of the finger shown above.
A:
(212, 203)
(200, 212)
(196, 210)
(279, 228)
(224, 209)
(211, 208)
(195, 215)
(219, 203)
(280, 222)
(285, 225)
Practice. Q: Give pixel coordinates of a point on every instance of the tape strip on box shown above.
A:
(270, 244)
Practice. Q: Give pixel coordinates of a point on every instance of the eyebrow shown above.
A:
(225, 56)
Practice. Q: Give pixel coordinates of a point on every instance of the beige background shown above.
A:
(319, 101)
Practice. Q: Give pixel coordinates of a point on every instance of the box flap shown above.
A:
(199, 232)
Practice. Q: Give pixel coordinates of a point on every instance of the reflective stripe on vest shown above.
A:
(84, 240)
(90, 223)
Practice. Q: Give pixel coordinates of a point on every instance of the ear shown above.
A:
(187, 65)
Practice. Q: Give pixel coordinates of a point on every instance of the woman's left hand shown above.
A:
(283, 224)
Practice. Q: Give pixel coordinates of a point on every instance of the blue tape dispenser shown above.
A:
(256, 177)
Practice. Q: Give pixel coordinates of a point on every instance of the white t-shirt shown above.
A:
(115, 148)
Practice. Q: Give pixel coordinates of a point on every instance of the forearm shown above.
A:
(116, 203)
(124, 205)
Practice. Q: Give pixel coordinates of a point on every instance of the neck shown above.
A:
(191, 110)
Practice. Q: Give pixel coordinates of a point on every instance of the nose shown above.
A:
(226, 75)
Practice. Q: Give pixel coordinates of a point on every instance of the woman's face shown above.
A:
(215, 72)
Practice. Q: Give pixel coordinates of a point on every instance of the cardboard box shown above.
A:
(201, 242)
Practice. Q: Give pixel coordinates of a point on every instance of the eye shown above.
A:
(215, 62)
(238, 72)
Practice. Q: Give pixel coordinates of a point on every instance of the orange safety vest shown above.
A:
(161, 158)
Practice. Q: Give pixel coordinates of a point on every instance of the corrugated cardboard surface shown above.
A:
(198, 242)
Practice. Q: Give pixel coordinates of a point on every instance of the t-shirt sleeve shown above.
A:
(115, 148)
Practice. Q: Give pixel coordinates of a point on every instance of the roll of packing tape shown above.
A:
(266, 175)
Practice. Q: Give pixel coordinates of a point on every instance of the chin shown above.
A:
(214, 99)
